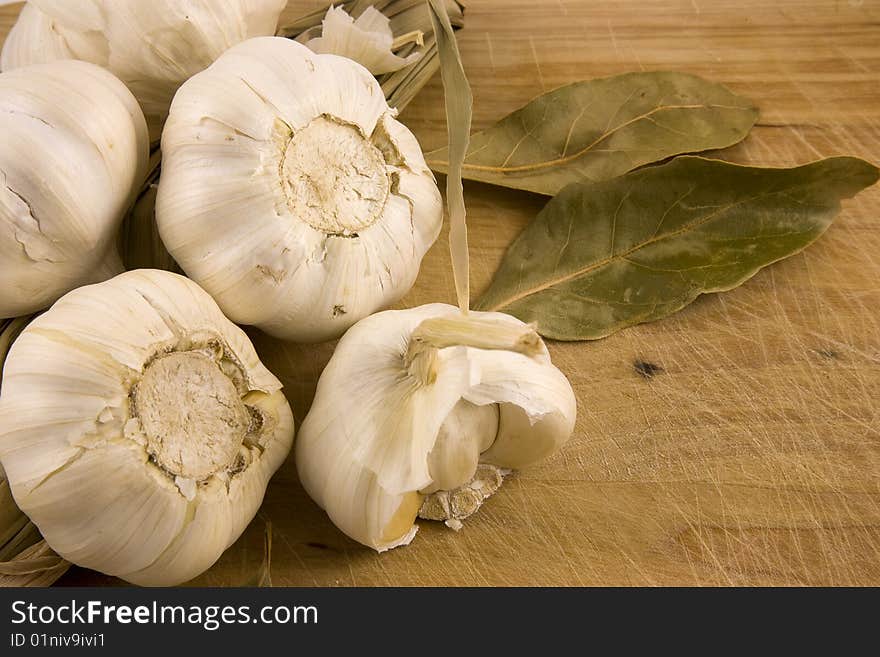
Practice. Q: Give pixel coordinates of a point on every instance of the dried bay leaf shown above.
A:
(599, 129)
(603, 256)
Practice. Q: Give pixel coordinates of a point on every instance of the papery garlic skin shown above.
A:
(366, 450)
(73, 152)
(291, 194)
(367, 40)
(152, 45)
(138, 428)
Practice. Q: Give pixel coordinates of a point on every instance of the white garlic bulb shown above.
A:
(73, 152)
(367, 40)
(151, 45)
(138, 428)
(420, 412)
(290, 193)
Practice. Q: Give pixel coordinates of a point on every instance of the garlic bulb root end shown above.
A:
(185, 394)
(334, 179)
(453, 506)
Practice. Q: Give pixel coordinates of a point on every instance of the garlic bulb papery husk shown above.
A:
(138, 428)
(151, 45)
(408, 17)
(290, 193)
(25, 557)
(423, 410)
(73, 153)
(367, 40)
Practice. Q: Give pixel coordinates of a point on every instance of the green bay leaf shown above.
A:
(603, 256)
(599, 129)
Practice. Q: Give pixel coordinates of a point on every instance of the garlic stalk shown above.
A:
(367, 40)
(437, 407)
(151, 45)
(290, 193)
(458, 101)
(138, 428)
(73, 153)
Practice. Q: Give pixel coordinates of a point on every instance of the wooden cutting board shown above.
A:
(752, 455)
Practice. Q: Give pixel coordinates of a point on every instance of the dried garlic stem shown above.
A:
(459, 106)
(416, 36)
(466, 331)
(480, 333)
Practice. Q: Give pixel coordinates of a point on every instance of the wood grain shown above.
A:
(750, 453)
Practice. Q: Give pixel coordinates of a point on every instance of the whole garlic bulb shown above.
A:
(152, 45)
(420, 412)
(73, 152)
(138, 428)
(290, 193)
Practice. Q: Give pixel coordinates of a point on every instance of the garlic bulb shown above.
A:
(420, 412)
(138, 428)
(152, 45)
(367, 40)
(73, 152)
(290, 193)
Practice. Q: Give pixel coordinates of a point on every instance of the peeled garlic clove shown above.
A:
(367, 40)
(138, 428)
(153, 46)
(290, 193)
(73, 152)
(398, 417)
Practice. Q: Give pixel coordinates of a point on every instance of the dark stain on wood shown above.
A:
(646, 369)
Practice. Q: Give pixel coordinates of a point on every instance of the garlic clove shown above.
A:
(139, 428)
(467, 431)
(535, 420)
(367, 40)
(291, 194)
(431, 398)
(367, 512)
